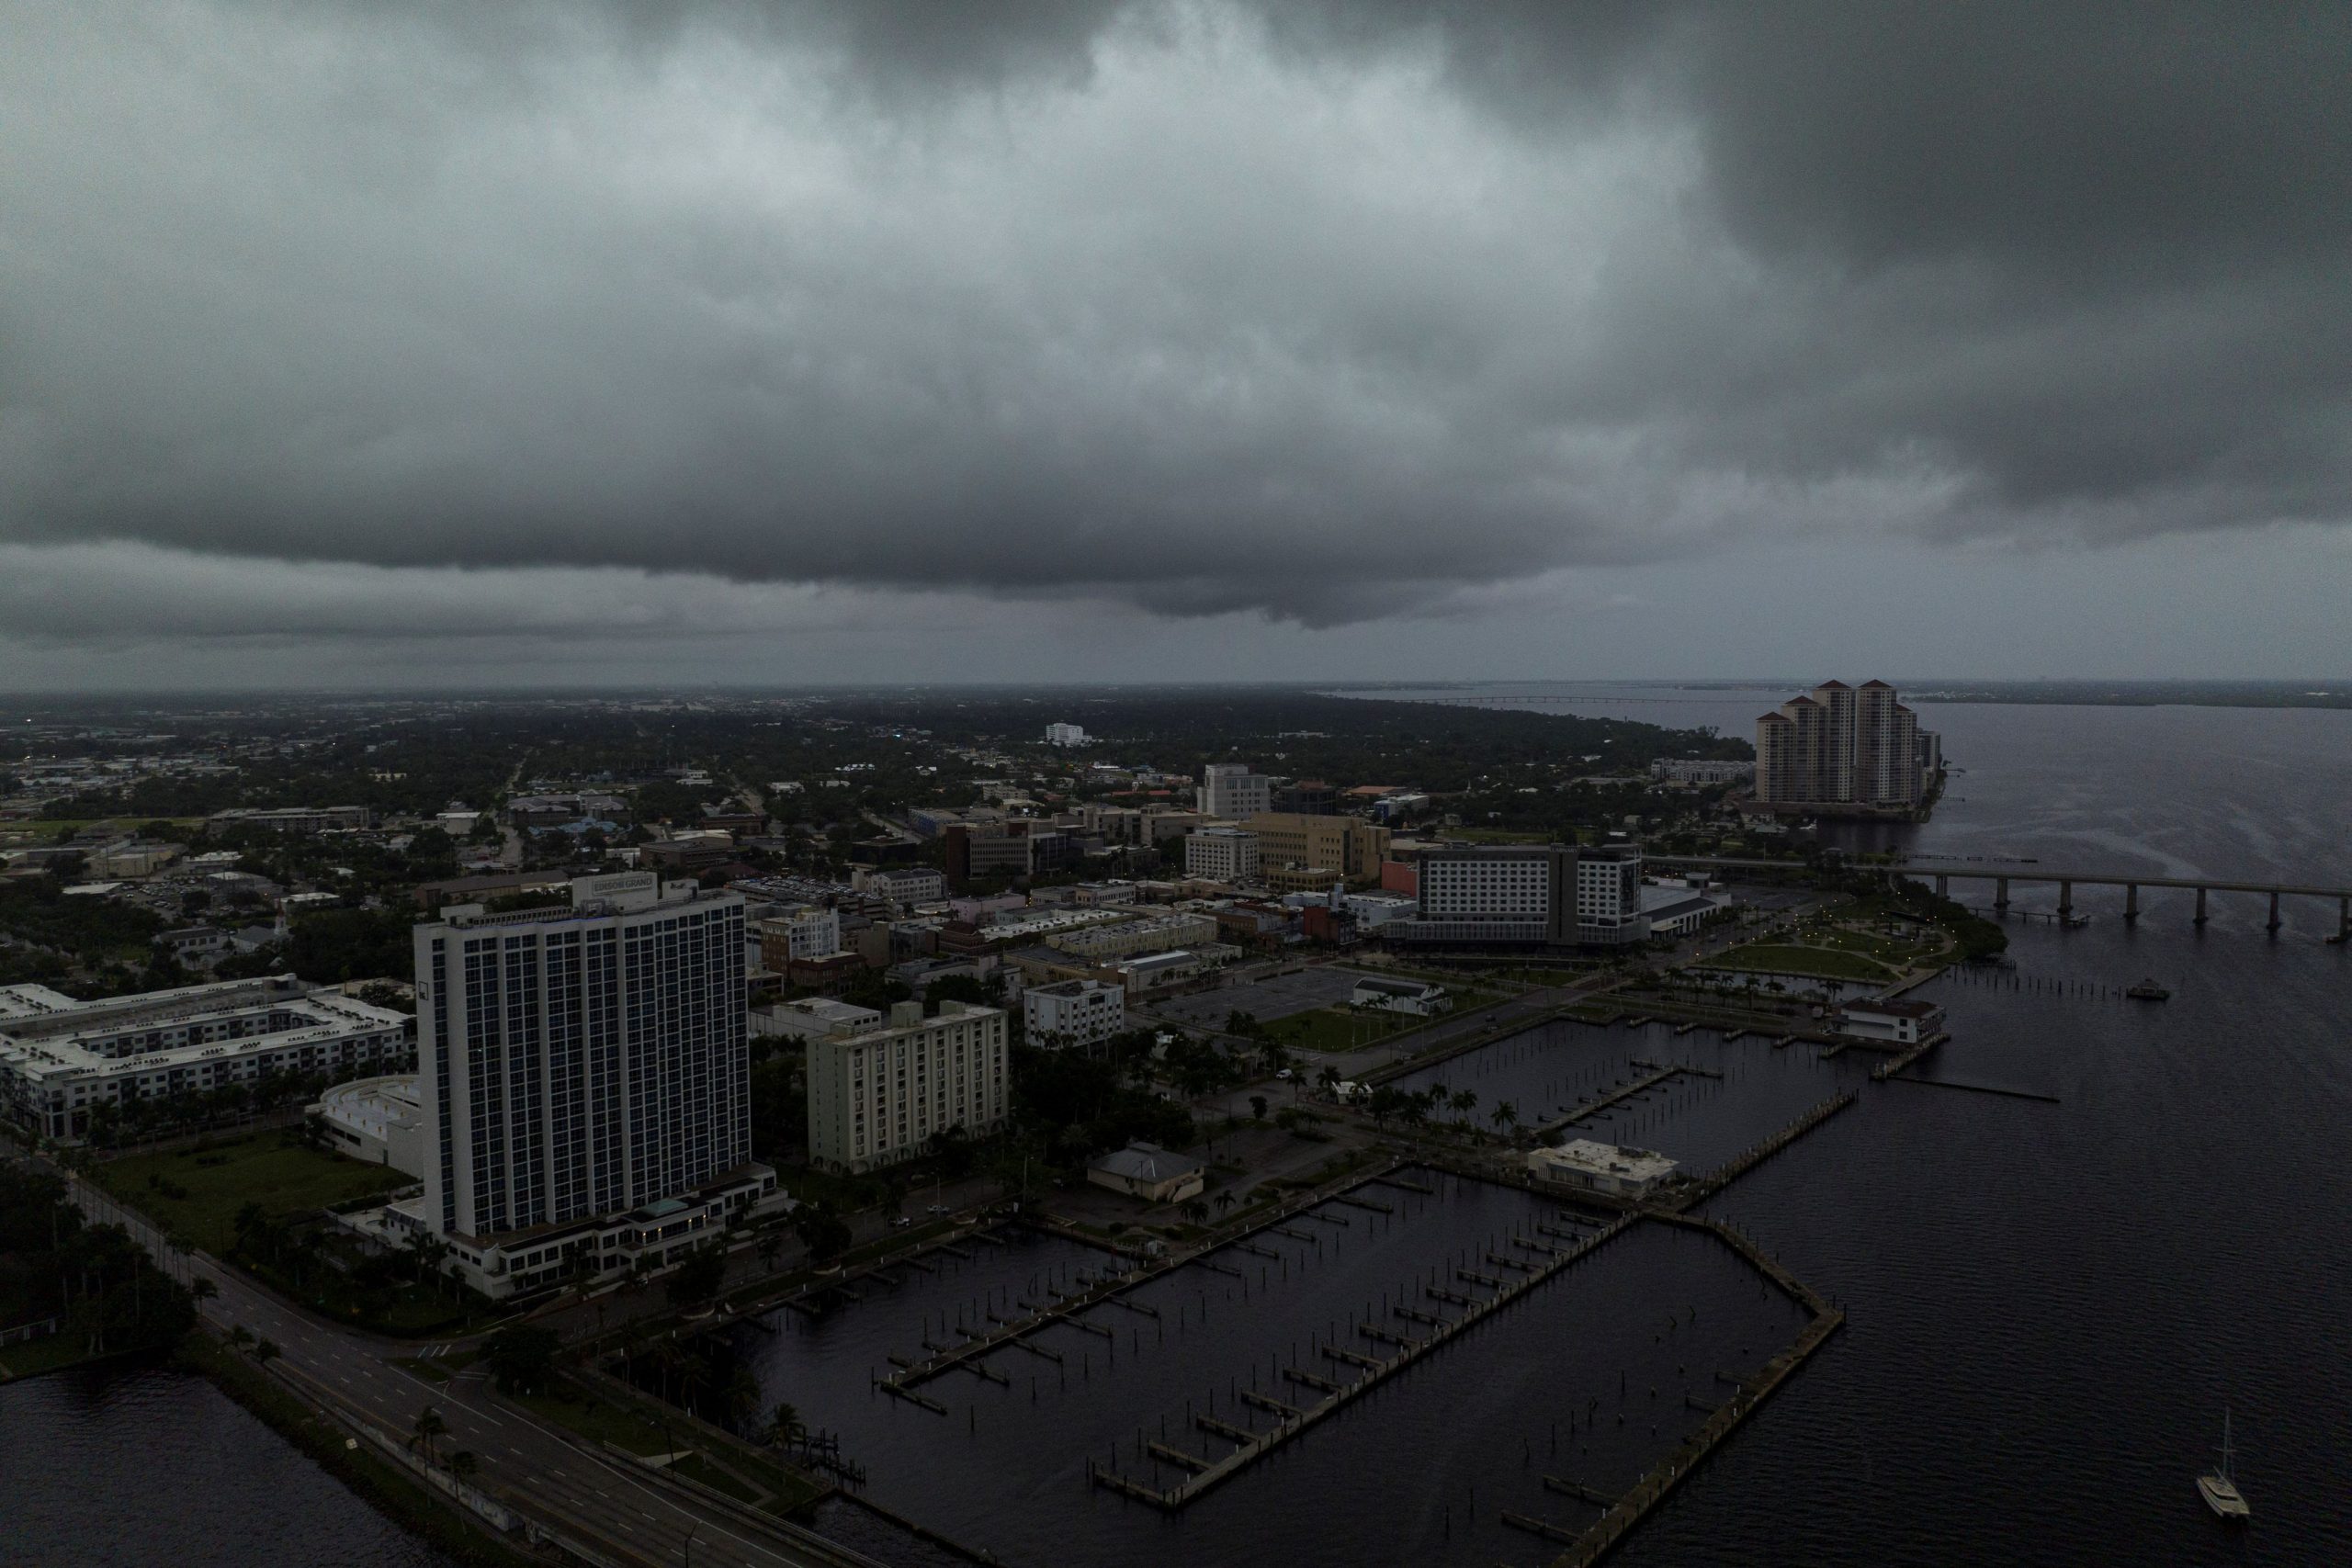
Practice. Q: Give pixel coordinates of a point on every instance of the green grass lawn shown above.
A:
(263, 1168)
(1334, 1029)
(1820, 962)
(46, 1354)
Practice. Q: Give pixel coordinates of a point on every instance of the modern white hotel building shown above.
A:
(1536, 894)
(584, 1075)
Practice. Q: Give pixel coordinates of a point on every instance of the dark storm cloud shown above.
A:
(1327, 310)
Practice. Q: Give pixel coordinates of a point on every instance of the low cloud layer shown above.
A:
(1326, 313)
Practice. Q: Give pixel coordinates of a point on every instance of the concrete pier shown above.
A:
(1740, 1164)
(1376, 1371)
(1543, 1528)
(2201, 906)
(2066, 901)
(1624, 1513)
(2130, 902)
(2274, 921)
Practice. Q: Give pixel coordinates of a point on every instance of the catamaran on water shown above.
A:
(2219, 1489)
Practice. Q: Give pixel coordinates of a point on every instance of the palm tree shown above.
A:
(1224, 1202)
(741, 1396)
(463, 1464)
(1196, 1212)
(784, 1426)
(240, 1337)
(264, 1352)
(428, 1427)
(202, 1288)
(1506, 1115)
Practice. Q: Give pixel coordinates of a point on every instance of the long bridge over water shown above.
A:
(2002, 874)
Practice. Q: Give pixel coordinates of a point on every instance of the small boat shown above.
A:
(2147, 991)
(2219, 1489)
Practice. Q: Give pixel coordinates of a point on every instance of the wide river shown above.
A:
(2049, 1304)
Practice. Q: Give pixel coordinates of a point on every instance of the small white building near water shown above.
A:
(1901, 1021)
(1149, 1172)
(1600, 1167)
(1422, 997)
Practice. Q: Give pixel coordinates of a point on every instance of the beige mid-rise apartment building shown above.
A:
(1347, 845)
(1840, 745)
(879, 1096)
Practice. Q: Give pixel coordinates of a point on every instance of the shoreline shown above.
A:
(319, 1438)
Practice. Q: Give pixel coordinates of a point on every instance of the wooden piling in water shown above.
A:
(1578, 1489)
(1543, 1528)
(1225, 1429)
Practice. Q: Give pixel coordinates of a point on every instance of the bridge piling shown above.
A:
(2001, 895)
(2066, 902)
(2274, 913)
(2130, 902)
(2200, 908)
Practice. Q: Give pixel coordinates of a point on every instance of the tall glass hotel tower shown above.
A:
(579, 1061)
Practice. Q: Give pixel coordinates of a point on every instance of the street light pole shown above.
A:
(690, 1544)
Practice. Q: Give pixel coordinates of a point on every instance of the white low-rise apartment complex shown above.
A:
(1073, 1013)
(881, 1096)
(1222, 854)
(60, 1058)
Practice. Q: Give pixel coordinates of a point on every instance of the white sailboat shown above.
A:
(2219, 1489)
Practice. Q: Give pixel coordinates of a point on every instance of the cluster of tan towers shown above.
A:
(1840, 745)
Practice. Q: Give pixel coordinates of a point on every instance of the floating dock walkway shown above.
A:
(1377, 1369)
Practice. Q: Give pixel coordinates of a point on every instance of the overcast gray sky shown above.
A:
(890, 340)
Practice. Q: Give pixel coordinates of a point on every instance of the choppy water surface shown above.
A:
(150, 1467)
(1588, 1376)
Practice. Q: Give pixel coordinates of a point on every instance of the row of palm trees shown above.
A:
(424, 1434)
(113, 1123)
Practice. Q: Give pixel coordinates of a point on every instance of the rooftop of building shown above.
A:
(1147, 1162)
(1902, 1007)
(1608, 1159)
(1389, 987)
(1073, 987)
(45, 1034)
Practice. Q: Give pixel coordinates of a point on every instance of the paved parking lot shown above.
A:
(1266, 1000)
